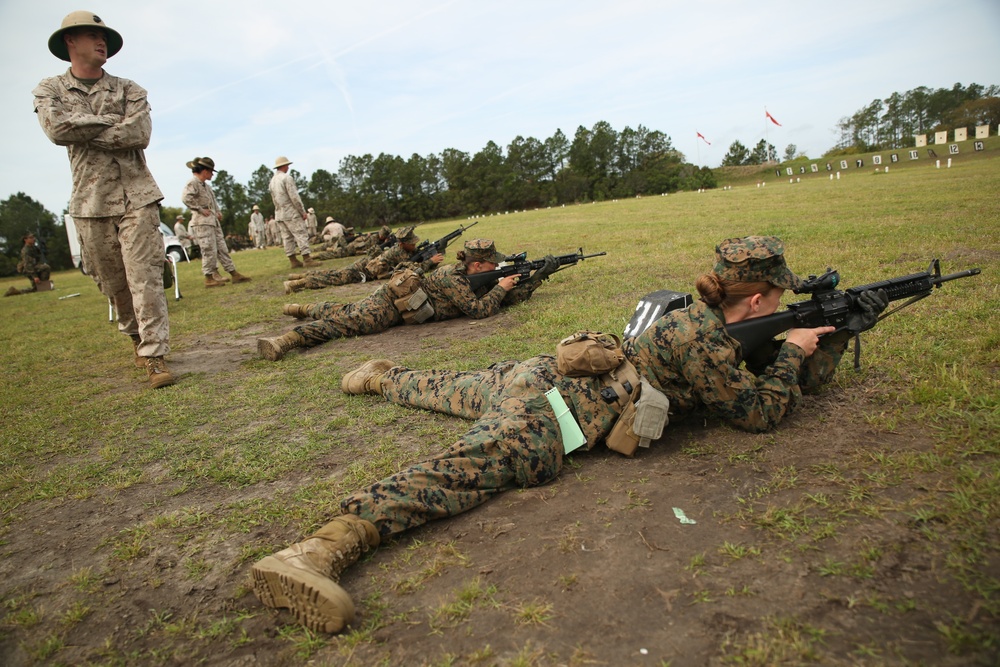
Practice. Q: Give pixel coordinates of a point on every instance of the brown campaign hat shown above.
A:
(206, 162)
(83, 19)
(755, 259)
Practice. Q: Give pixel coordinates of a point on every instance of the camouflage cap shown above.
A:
(755, 258)
(407, 235)
(482, 250)
(385, 231)
(83, 19)
(206, 162)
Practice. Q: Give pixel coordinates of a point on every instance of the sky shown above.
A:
(245, 81)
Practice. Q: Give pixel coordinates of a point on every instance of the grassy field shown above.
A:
(129, 517)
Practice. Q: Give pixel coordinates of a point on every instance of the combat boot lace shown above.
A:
(298, 311)
(293, 286)
(159, 375)
(239, 277)
(367, 378)
(274, 349)
(303, 578)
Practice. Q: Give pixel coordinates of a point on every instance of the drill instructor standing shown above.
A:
(205, 218)
(290, 215)
(104, 123)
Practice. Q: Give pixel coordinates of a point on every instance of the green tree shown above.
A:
(737, 155)
(258, 191)
(233, 201)
(20, 214)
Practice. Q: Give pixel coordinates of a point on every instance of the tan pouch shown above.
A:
(588, 353)
(415, 308)
(641, 422)
(403, 283)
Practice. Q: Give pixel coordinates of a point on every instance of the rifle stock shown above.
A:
(832, 307)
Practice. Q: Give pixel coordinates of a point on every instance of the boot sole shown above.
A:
(269, 350)
(316, 602)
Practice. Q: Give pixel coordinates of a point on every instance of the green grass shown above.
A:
(244, 445)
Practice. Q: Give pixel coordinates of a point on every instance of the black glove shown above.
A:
(550, 267)
(870, 305)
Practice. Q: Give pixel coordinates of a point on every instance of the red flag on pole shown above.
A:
(766, 113)
(702, 137)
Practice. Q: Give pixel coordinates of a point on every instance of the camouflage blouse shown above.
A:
(451, 295)
(688, 355)
(105, 128)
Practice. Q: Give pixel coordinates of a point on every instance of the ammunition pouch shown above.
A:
(409, 297)
(588, 353)
(641, 421)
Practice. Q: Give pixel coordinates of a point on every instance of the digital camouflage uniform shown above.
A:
(377, 268)
(197, 196)
(105, 127)
(515, 442)
(288, 212)
(448, 292)
(360, 245)
(31, 265)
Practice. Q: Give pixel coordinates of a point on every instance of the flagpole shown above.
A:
(767, 140)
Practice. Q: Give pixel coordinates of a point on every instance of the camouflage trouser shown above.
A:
(335, 253)
(213, 248)
(125, 257)
(294, 237)
(373, 314)
(515, 442)
(354, 273)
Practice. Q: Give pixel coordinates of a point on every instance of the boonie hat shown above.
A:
(482, 250)
(281, 162)
(406, 235)
(83, 19)
(755, 258)
(206, 162)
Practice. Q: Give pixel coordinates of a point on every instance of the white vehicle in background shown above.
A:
(172, 246)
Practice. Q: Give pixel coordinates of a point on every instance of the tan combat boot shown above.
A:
(294, 261)
(140, 362)
(309, 261)
(212, 282)
(298, 311)
(219, 278)
(303, 578)
(159, 375)
(274, 349)
(296, 276)
(239, 277)
(293, 286)
(367, 378)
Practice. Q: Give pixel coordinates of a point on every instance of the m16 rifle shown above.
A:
(525, 268)
(426, 249)
(832, 307)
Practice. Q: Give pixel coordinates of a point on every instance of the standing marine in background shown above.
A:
(104, 123)
(182, 233)
(290, 215)
(205, 218)
(312, 223)
(256, 227)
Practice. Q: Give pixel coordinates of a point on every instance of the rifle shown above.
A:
(426, 249)
(524, 268)
(832, 307)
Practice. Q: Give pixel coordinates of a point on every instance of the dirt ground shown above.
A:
(593, 569)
